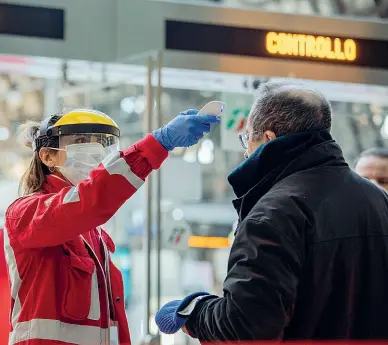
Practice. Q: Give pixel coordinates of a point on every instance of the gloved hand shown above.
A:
(185, 130)
(174, 315)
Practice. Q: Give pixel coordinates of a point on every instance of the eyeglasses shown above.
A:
(244, 139)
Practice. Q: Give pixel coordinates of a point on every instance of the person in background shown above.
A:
(64, 287)
(310, 254)
(373, 165)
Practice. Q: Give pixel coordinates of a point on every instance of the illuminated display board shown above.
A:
(320, 47)
(231, 40)
(32, 21)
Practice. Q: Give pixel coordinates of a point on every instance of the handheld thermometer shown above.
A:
(213, 108)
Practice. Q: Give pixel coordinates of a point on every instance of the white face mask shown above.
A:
(81, 160)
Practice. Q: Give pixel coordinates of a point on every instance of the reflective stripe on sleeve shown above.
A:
(14, 278)
(114, 164)
(71, 196)
(44, 329)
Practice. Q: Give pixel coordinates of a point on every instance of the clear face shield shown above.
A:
(104, 144)
(84, 152)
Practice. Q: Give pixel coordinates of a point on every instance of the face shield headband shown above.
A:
(48, 132)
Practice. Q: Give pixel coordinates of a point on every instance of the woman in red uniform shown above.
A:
(64, 287)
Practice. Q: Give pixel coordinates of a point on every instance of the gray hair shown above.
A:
(378, 152)
(288, 108)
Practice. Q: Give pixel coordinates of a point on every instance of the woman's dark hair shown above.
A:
(33, 179)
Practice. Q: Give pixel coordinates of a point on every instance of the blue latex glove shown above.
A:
(174, 315)
(185, 130)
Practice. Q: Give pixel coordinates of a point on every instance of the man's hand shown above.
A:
(173, 316)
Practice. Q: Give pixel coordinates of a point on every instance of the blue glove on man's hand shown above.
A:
(174, 315)
(185, 130)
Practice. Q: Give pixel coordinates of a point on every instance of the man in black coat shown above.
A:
(310, 255)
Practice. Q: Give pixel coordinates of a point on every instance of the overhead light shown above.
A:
(4, 133)
(205, 156)
(127, 104)
(190, 156)
(140, 104)
(208, 144)
(177, 214)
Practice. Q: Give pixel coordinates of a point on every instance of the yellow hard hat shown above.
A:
(81, 121)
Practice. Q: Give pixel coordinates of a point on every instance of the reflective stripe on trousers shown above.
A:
(56, 330)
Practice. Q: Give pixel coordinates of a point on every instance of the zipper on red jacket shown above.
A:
(107, 270)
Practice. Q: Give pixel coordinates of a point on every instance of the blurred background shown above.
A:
(109, 56)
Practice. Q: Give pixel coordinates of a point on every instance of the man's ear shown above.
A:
(269, 135)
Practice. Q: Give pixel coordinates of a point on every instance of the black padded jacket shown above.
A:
(310, 255)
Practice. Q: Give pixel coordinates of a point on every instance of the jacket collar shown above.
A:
(54, 184)
(278, 159)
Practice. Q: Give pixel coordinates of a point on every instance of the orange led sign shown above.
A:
(320, 47)
(208, 242)
(284, 46)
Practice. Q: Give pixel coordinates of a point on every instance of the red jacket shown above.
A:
(64, 287)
